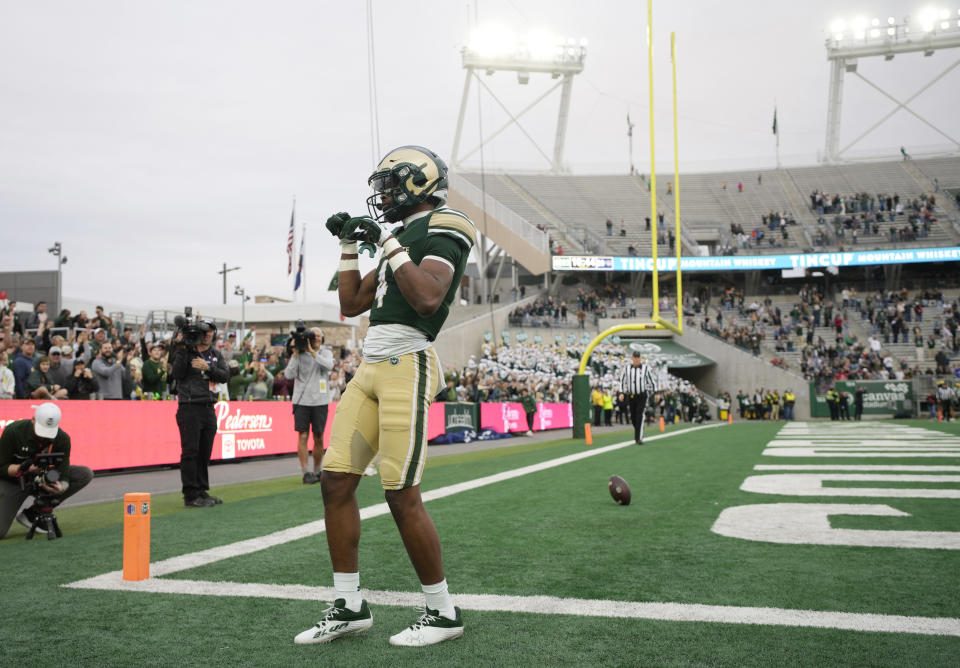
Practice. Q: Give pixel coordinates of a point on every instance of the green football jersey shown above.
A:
(443, 234)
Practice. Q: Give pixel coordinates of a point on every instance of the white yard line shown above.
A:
(551, 605)
(681, 612)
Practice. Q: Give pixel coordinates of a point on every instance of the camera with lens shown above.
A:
(191, 330)
(47, 462)
(301, 337)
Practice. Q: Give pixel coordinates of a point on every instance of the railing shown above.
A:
(506, 216)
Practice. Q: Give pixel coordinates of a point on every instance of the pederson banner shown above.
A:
(881, 397)
(126, 434)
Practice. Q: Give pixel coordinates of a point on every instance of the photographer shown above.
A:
(81, 384)
(197, 368)
(20, 477)
(309, 367)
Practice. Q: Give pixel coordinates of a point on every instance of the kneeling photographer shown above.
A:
(35, 461)
(309, 367)
(197, 368)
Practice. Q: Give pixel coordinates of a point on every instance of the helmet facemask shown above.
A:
(407, 176)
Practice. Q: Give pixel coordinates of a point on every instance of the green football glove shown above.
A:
(351, 230)
(336, 222)
(370, 230)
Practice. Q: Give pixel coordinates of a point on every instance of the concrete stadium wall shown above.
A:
(736, 369)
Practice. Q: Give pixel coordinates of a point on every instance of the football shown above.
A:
(619, 490)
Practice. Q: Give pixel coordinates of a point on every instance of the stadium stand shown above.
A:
(574, 209)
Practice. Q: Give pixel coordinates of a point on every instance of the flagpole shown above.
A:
(291, 242)
(303, 263)
(776, 131)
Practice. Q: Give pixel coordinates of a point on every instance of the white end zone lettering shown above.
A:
(809, 524)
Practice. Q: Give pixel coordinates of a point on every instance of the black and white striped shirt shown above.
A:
(637, 379)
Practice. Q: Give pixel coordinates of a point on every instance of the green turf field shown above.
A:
(549, 541)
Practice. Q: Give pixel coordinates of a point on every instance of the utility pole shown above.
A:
(225, 271)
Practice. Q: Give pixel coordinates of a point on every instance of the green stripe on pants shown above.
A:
(420, 419)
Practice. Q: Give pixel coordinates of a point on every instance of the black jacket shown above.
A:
(81, 387)
(195, 386)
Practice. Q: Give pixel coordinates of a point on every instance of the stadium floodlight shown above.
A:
(492, 42)
(859, 27)
(848, 40)
(493, 49)
(928, 18)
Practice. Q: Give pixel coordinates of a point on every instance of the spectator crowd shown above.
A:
(861, 215)
(823, 331)
(83, 357)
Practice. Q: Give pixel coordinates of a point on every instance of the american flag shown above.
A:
(290, 240)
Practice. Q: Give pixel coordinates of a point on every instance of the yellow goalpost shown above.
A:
(581, 383)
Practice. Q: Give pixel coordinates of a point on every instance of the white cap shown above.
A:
(46, 420)
(55, 349)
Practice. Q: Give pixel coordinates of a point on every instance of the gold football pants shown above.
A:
(384, 409)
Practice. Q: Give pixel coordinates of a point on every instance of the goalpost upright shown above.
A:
(581, 381)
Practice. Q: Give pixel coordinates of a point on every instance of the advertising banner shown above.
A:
(881, 397)
(460, 416)
(669, 353)
(553, 416)
(108, 435)
(509, 417)
(756, 262)
(122, 434)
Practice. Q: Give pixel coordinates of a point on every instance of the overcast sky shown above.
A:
(157, 140)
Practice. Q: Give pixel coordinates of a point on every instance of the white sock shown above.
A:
(438, 598)
(347, 587)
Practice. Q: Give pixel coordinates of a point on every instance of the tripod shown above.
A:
(45, 518)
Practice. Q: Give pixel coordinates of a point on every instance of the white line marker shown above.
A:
(854, 467)
(550, 605)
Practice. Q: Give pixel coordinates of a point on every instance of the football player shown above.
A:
(425, 248)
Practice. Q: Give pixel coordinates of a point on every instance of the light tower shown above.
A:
(242, 293)
(931, 31)
(57, 251)
(492, 50)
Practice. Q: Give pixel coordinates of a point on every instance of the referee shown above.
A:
(637, 383)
